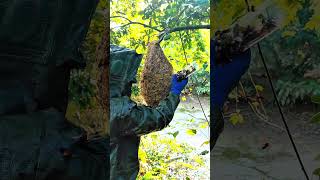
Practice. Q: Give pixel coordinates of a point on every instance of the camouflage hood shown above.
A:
(124, 64)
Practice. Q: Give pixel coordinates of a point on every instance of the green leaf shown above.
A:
(191, 132)
(167, 37)
(175, 134)
(191, 120)
(316, 172)
(259, 88)
(315, 99)
(204, 152)
(316, 118)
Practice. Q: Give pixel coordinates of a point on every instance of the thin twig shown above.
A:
(173, 159)
(257, 93)
(260, 116)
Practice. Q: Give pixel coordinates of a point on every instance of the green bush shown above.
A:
(81, 89)
(290, 53)
(199, 82)
(164, 158)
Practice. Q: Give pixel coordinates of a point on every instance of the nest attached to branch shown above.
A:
(247, 31)
(156, 75)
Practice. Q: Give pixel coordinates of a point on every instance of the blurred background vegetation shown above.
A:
(292, 53)
(84, 109)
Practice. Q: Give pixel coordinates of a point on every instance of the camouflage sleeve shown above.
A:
(143, 120)
(217, 125)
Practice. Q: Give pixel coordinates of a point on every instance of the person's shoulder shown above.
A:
(121, 106)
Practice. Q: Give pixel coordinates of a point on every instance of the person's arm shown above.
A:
(223, 78)
(217, 125)
(140, 120)
(143, 120)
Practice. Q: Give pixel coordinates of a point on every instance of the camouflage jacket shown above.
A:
(127, 123)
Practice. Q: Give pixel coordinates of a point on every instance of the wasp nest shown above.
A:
(156, 75)
(247, 31)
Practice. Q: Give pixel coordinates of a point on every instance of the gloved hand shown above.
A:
(178, 86)
(225, 77)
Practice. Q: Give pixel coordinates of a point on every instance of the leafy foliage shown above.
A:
(81, 89)
(316, 117)
(296, 53)
(83, 108)
(291, 92)
(164, 158)
(200, 81)
(82, 83)
(290, 52)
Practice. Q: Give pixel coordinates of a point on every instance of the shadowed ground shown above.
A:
(239, 154)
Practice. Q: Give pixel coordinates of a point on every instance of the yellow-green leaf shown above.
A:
(198, 160)
(259, 88)
(187, 165)
(236, 118)
(255, 104)
(288, 33)
(316, 118)
(205, 143)
(204, 125)
(191, 132)
(183, 98)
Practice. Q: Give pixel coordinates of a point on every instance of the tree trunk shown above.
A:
(102, 57)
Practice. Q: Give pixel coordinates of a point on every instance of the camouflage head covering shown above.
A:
(124, 64)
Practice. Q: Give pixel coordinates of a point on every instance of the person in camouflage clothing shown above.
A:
(129, 121)
(39, 45)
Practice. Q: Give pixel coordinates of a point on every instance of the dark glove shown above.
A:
(178, 86)
(225, 77)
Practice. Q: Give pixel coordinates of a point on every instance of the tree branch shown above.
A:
(133, 22)
(122, 26)
(183, 28)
